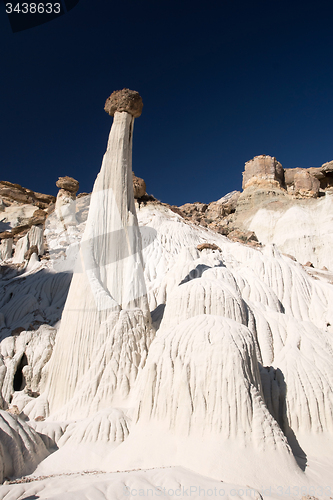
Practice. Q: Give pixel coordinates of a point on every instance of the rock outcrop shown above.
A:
(309, 182)
(15, 192)
(263, 171)
(306, 184)
(214, 215)
(286, 208)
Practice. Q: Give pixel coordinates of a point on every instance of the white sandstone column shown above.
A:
(108, 277)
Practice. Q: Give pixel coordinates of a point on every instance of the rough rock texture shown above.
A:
(263, 170)
(34, 237)
(6, 248)
(40, 299)
(38, 217)
(25, 356)
(33, 249)
(15, 192)
(208, 246)
(200, 393)
(243, 236)
(124, 100)
(21, 448)
(215, 215)
(304, 181)
(139, 187)
(327, 167)
(68, 184)
(306, 184)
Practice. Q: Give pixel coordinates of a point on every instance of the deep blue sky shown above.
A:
(221, 81)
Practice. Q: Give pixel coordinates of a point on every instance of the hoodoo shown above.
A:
(105, 329)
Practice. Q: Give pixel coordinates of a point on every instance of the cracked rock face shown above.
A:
(124, 100)
(261, 170)
(306, 184)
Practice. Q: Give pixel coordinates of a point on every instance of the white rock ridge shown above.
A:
(21, 448)
(107, 300)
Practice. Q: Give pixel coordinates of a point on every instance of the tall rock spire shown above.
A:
(107, 297)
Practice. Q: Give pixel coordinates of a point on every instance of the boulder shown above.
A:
(139, 187)
(327, 167)
(208, 246)
(243, 236)
(289, 176)
(306, 184)
(215, 210)
(68, 184)
(124, 100)
(38, 217)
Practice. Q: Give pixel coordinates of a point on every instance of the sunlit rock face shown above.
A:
(288, 207)
(263, 170)
(107, 300)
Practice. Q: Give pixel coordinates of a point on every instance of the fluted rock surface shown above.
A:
(21, 448)
(106, 293)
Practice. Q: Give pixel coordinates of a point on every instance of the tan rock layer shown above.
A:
(68, 184)
(124, 100)
(139, 187)
(265, 168)
(15, 192)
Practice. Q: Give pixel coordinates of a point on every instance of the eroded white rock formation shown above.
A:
(105, 330)
(21, 448)
(201, 403)
(65, 204)
(238, 382)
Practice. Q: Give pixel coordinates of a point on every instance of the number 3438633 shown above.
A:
(33, 8)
